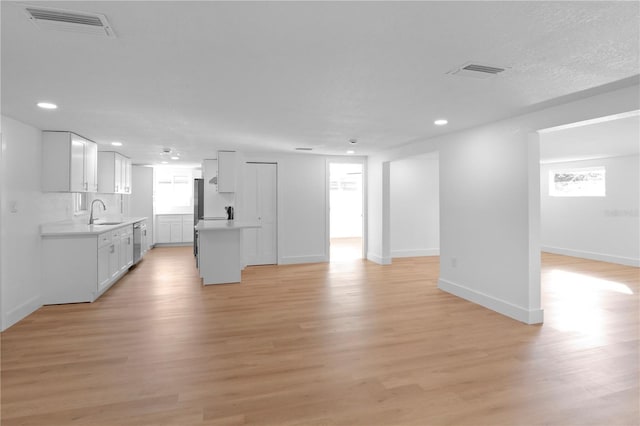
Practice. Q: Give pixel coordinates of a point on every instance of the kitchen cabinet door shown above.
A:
(68, 163)
(176, 232)
(126, 175)
(144, 240)
(77, 177)
(91, 166)
(114, 255)
(128, 255)
(117, 179)
(114, 173)
(164, 232)
(187, 228)
(104, 275)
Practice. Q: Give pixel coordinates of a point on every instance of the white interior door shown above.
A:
(260, 244)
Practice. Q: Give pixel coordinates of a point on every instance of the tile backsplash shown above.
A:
(56, 207)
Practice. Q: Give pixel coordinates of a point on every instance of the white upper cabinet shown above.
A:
(126, 175)
(69, 163)
(226, 171)
(115, 173)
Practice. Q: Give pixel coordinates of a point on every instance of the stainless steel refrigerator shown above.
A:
(198, 210)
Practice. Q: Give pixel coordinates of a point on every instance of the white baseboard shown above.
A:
(379, 259)
(526, 316)
(21, 311)
(172, 244)
(293, 260)
(416, 252)
(620, 260)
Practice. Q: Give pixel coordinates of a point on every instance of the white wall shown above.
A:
(600, 228)
(21, 216)
(302, 205)
(142, 197)
(415, 206)
(23, 208)
(489, 202)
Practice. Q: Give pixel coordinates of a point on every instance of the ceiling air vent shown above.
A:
(64, 20)
(475, 70)
(304, 149)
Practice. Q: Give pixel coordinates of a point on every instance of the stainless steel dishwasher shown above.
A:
(139, 230)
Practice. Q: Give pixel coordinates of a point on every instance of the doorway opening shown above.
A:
(589, 186)
(345, 212)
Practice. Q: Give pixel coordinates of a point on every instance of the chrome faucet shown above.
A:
(91, 218)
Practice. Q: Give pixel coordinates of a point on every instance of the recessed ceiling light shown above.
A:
(116, 143)
(351, 151)
(175, 158)
(440, 122)
(164, 162)
(47, 105)
(353, 141)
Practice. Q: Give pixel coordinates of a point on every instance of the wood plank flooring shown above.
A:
(326, 344)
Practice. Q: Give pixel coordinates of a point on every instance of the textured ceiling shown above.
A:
(202, 76)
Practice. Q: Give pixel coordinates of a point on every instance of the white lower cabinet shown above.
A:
(104, 256)
(126, 249)
(174, 228)
(80, 268)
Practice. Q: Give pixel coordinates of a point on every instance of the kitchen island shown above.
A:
(220, 250)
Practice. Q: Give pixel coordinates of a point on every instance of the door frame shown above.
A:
(365, 225)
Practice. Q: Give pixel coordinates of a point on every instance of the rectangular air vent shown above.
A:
(476, 70)
(70, 21)
(304, 149)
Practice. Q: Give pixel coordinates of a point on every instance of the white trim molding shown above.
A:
(620, 260)
(510, 310)
(294, 260)
(380, 260)
(22, 311)
(416, 252)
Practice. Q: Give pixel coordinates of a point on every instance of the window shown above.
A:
(173, 190)
(588, 182)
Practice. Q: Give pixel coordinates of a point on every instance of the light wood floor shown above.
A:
(326, 344)
(345, 249)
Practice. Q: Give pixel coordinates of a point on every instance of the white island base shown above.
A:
(220, 251)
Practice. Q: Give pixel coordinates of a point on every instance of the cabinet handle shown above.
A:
(129, 240)
(112, 249)
(86, 186)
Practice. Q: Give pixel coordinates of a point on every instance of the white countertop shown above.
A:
(70, 228)
(220, 225)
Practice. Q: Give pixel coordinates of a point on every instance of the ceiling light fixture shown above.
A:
(164, 162)
(175, 158)
(116, 143)
(47, 105)
(440, 122)
(351, 151)
(353, 141)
